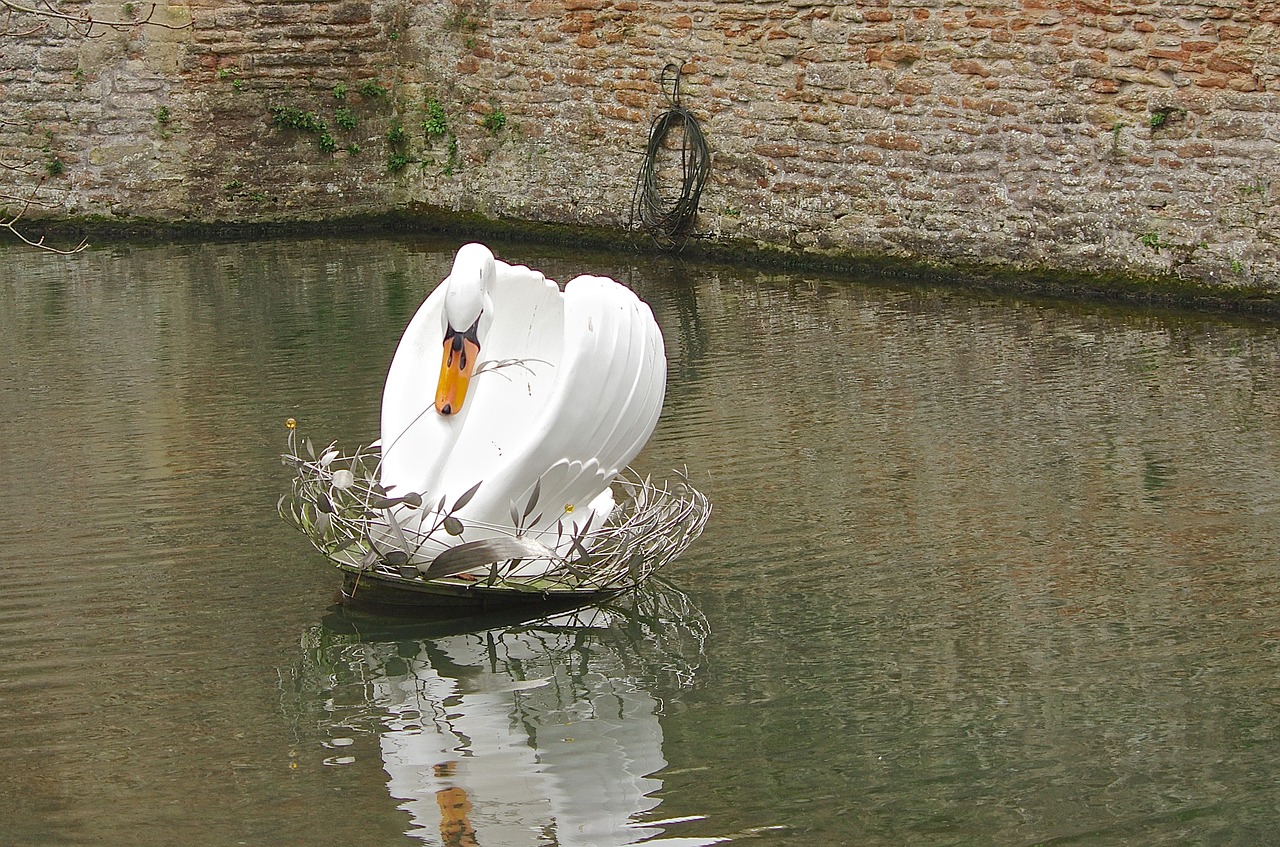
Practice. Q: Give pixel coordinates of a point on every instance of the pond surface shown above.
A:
(980, 571)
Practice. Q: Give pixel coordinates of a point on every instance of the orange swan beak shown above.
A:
(461, 350)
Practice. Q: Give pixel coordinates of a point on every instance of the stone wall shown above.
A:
(1069, 134)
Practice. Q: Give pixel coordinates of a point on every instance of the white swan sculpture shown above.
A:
(536, 388)
(510, 412)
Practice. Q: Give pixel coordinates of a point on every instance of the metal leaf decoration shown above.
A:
(533, 497)
(489, 551)
(465, 497)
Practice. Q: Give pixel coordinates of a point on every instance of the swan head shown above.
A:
(465, 321)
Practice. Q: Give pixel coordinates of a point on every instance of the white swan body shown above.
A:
(564, 390)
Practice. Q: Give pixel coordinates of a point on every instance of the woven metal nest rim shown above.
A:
(337, 502)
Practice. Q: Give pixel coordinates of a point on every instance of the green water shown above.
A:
(980, 571)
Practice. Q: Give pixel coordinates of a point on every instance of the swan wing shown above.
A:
(604, 405)
(637, 389)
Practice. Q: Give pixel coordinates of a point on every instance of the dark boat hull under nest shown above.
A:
(384, 594)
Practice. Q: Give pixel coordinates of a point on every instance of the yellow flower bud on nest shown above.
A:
(290, 423)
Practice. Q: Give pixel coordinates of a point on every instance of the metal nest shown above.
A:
(339, 504)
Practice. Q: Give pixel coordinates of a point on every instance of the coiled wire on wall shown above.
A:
(669, 220)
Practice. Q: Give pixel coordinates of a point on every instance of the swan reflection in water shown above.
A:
(517, 732)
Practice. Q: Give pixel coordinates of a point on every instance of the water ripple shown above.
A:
(978, 570)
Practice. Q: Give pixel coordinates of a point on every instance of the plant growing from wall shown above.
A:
(345, 118)
(53, 166)
(435, 126)
(233, 75)
(1257, 188)
(398, 155)
(436, 123)
(288, 117)
(453, 155)
(1117, 152)
(494, 121)
(1182, 254)
(163, 118)
(397, 161)
(236, 189)
(465, 20)
(395, 20)
(1151, 240)
(1164, 116)
(460, 20)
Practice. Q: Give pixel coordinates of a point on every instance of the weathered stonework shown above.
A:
(1073, 134)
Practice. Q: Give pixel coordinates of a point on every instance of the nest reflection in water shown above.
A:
(489, 728)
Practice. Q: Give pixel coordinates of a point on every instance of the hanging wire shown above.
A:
(670, 221)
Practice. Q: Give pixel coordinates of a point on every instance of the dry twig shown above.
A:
(10, 220)
(82, 23)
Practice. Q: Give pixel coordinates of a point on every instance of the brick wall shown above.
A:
(1085, 135)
